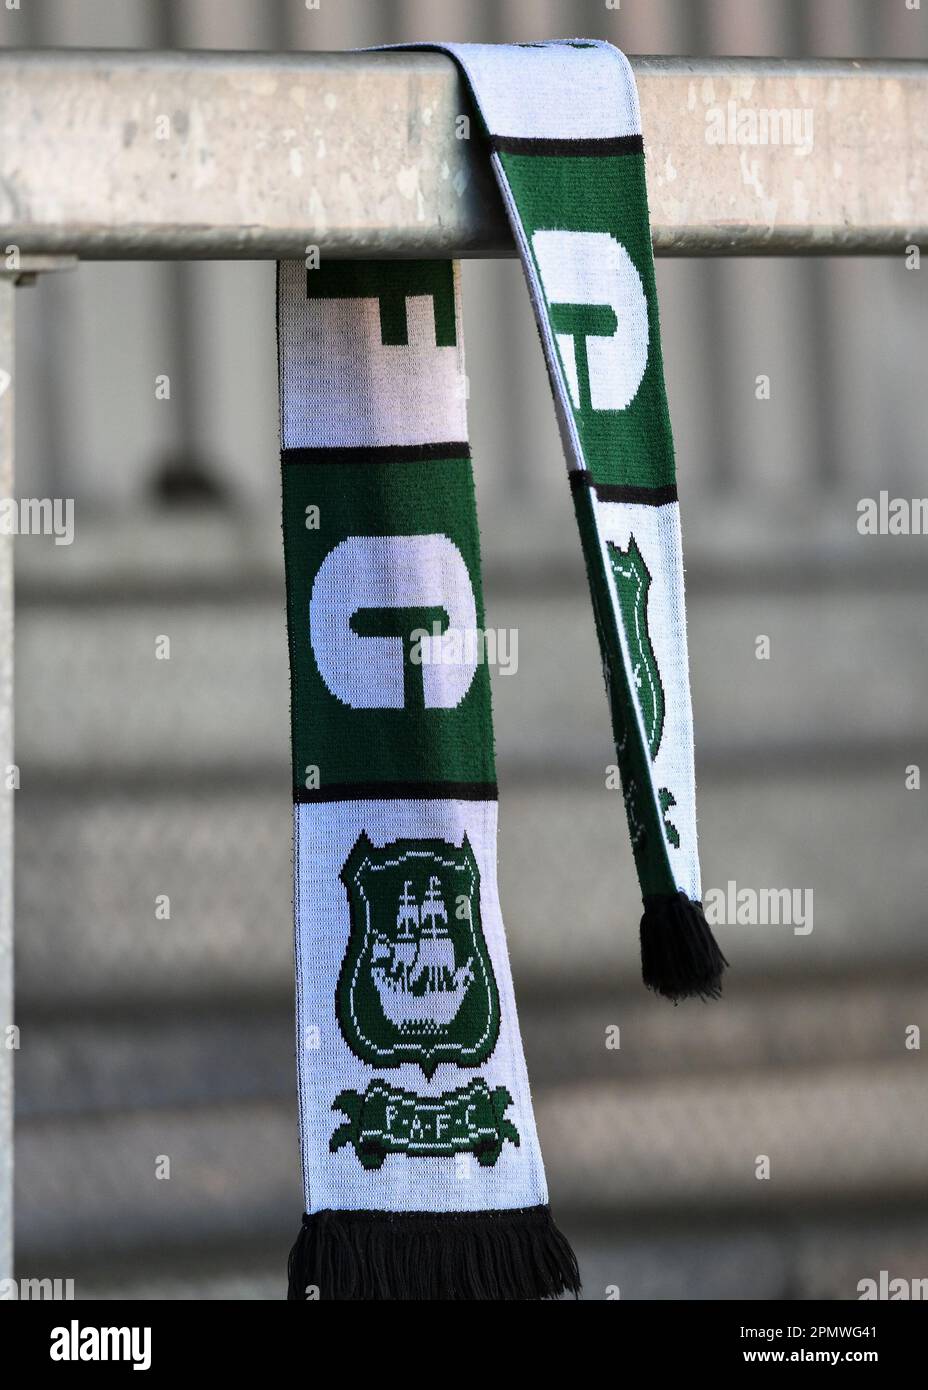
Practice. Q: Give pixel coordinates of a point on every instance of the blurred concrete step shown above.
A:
(93, 697)
(843, 673)
(756, 1029)
(154, 1058)
(831, 1134)
(89, 870)
(775, 541)
(87, 1186)
(158, 1057)
(846, 674)
(750, 1258)
(731, 1259)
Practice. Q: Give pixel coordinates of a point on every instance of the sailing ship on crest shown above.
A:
(415, 972)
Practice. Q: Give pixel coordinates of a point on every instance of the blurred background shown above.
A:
(143, 1037)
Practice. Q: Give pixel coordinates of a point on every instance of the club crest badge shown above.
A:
(633, 580)
(416, 984)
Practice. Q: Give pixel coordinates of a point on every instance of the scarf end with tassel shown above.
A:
(680, 957)
(486, 1255)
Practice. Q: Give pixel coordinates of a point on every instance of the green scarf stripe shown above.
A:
(646, 826)
(603, 194)
(412, 746)
(392, 283)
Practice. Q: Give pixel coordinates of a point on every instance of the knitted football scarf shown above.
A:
(421, 1167)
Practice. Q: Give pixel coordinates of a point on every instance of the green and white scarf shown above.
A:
(422, 1172)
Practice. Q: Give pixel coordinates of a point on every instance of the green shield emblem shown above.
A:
(632, 581)
(416, 984)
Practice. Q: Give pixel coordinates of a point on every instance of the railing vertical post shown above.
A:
(7, 292)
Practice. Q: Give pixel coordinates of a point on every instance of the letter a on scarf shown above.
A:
(422, 1171)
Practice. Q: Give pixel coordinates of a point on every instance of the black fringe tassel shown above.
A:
(370, 1255)
(680, 957)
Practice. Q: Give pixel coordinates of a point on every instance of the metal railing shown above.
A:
(116, 155)
(180, 155)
